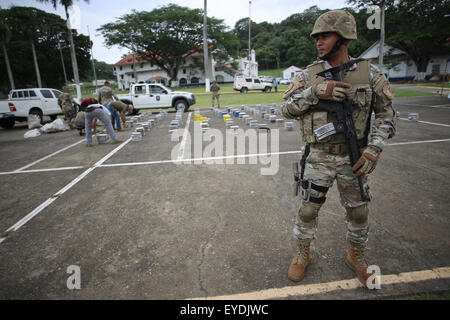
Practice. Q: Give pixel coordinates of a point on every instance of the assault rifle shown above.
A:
(343, 111)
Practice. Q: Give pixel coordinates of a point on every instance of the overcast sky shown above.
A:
(98, 12)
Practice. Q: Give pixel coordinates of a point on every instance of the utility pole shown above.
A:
(205, 48)
(73, 55)
(249, 29)
(92, 58)
(381, 52)
(62, 61)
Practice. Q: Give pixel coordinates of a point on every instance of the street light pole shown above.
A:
(92, 58)
(73, 55)
(205, 48)
(249, 28)
(62, 61)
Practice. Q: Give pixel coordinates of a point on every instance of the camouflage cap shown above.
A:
(339, 21)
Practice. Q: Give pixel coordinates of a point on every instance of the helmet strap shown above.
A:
(335, 48)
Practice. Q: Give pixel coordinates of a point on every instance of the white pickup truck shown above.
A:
(155, 95)
(23, 102)
(6, 117)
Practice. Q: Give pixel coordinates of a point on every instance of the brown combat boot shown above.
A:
(300, 262)
(357, 262)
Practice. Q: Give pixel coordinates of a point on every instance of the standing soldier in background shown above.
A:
(327, 158)
(68, 107)
(105, 97)
(215, 93)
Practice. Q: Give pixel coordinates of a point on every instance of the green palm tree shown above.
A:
(67, 4)
(5, 36)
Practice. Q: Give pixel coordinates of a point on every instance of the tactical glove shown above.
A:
(368, 160)
(331, 90)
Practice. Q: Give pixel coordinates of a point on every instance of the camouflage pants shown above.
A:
(69, 114)
(216, 96)
(322, 169)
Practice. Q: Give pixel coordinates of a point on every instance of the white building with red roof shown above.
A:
(134, 69)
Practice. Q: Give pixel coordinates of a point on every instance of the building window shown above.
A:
(435, 69)
(194, 80)
(114, 68)
(183, 81)
(142, 65)
(121, 76)
(120, 68)
(184, 71)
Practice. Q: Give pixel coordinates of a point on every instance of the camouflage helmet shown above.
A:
(339, 21)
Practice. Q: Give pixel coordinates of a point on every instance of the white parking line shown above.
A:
(50, 200)
(196, 159)
(41, 170)
(350, 284)
(416, 142)
(50, 155)
(144, 163)
(183, 141)
(426, 122)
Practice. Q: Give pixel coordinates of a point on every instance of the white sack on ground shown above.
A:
(55, 126)
(32, 133)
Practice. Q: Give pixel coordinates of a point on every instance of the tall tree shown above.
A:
(5, 37)
(50, 29)
(66, 4)
(163, 36)
(27, 23)
(425, 38)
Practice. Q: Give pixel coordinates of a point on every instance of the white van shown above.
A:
(244, 84)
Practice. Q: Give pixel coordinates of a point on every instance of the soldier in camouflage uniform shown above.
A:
(105, 97)
(68, 107)
(215, 93)
(328, 159)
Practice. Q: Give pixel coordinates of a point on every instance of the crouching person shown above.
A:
(95, 111)
(122, 109)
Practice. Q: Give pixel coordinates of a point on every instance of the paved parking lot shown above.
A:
(140, 226)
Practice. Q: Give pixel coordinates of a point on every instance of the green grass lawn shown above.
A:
(276, 73)
(237, 98)
(240, 99)
(436, 85)
(399, 93)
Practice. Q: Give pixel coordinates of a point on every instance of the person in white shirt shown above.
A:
(97, 111)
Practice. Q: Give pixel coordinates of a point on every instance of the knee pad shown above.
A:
(309, 211)
(358, 215)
